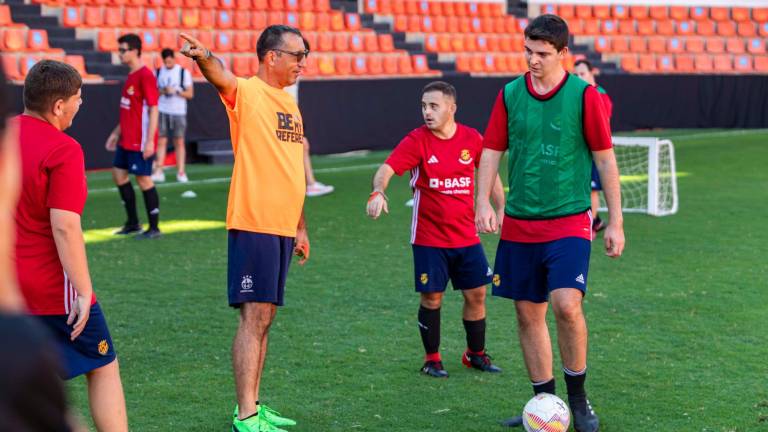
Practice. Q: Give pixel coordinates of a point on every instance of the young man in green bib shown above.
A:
(553, 124)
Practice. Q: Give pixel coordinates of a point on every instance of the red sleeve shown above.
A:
(495, 137)
(67, 189)
(405, 156)
(597, 129)
(608, 105)
(149, 88)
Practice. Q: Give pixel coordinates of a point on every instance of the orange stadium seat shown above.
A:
(761, 63)
(92, 16)
(675, 45)
(500, 24)
(420, 64)
(502, 63)
(207, 19)
(322, 5)
(685, 28)
(227, 4)
(457, 43)
(591, 27)
(742, 63)
(583, 11)
(735, 46)
(337, 21)
(620, 12)
(325, 42)
(241, 66)
(638, 12)
(360, 66)
(476, 63)
(400, 23)
(113, 17)
(307, 21)
(694, 45)
(292, 5)
(489, 63)
(601, 11)
(665, 63)
(254, 65)
(506, 43)
(390, 65)
(352, 21)
(703, 63)
(311, 38)
(603, 44)
(149, 40)
(5, 17)
(723, 63)
(647, 63)
(719, 14)
(106, 40)
(494, 44)
(171, 18)
(705, 28)
(291, 19)
(411, 7)
(275, 18)
(325, 65)
(205, 36)
(627, 27)
(440, 24)
(760, 14)
(356, 42)
(190, 18)
(404, 65)
(472, 9)
(756, 46)
(398, 7)
(747, 29)
(260, 5)
(27, 62)
(174, 3)
(638, 45)
(620, 44)
(658, 12)
(699, 13)
(386, 43)
(157, 3)
(340, 42)
(548, 9)
(37, 40)
(684, 63)
(224, 19)
(78, 62)
(132, 17)
(430, 43)
(463, 63)
(70, 16)
(486, 24)
(242, 19)
(609, 27)
(258, 20)
(223, 41)
(169, 39)
(243, 5)
(151, 18)
(426, 24)
(343, 64)
(646, 28)
(11, 67)
(566, 11)
(726, 28)
(629, 62)
(678, 13)
(665, 28)
(276, 5)
(763, 30)
(715, 45)
(449, 9)
(657, 44)
(137, 2)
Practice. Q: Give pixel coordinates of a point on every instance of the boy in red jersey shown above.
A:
(136, 135)
(553, 125)
(442, 156)
(50, 251)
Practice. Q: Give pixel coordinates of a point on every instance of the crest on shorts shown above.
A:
(103, 347)
(424, 278)
(247, 283)
(465, 157)
(496, 280)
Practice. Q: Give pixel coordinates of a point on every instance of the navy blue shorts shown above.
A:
(466, 267)
(258, 266)
(596, 185)
(530, 271)
(91, 350)
(133, 162)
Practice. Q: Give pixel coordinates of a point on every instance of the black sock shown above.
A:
(544, 387)
(129, 202)
(574, 381)
(596, 221)
(152, 202)
(429, 327)
(475, 335)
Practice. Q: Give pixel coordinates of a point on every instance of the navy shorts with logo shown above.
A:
(466, 267)
(596, 185)
(91, 350)
(530, 271)
(133, 162)
(258, 266)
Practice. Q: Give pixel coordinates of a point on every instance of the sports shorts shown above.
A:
(466, 267)
(133, 162)
(257, 267)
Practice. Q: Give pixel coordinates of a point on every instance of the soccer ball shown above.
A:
(546, 413)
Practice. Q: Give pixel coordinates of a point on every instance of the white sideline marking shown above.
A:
(714, 134)
(227, 179)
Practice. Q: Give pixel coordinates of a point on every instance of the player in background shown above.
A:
(51, 263)
(553, 124)
(584, 70)
(265, 217)
(134, 138)
(442, 157)
(314, 187)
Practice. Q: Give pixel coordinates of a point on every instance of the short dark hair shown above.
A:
(132, 40)
(165, 53)
(548, 28)
(49, 81)
(272, 38)
(442, 87)
(584, 62)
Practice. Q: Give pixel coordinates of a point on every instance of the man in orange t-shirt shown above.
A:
(265, 220)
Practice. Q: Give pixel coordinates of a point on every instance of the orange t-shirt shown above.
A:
(266, 194)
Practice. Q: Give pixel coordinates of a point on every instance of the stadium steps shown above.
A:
(214, 152)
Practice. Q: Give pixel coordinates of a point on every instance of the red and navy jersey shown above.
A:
(53, 177)
(443, 182)
(139, 93)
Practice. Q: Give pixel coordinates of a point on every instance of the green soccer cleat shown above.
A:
(270, 416)
(254, 424)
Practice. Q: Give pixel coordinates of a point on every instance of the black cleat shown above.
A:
(434, 369)
(128, 229)
(149, 234)
(584, 417)
(479, 361)
(515, 421)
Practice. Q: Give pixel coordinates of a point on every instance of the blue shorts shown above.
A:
(596, 185)
(133, 162)
(530, 271)
(91, 350)
(466, 267)
(258, 266)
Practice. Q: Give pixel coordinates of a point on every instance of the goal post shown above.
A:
(648, 175)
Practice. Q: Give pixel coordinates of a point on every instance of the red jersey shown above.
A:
(53, 176)
(597, 134)
(139, 93)
(443, 180)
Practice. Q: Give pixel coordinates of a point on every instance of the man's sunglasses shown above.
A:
(300, 55)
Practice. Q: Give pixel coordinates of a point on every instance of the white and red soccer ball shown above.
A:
(546, 413)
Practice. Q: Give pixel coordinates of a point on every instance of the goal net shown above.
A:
(648, 176)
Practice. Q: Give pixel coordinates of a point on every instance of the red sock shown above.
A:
(433, 357)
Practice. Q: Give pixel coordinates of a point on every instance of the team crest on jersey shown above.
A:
(424, 279)
(465, 157)
(103, 347)
(130, 91)
(246, 284)
(496, 280)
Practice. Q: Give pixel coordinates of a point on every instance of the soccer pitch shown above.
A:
(677, 325)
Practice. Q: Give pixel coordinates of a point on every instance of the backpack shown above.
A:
(181, 76)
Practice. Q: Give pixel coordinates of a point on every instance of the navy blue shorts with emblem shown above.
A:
(258, 266)
(91, 350)
(530, 271)
(133, 162)
(466, 267)
(596, 185)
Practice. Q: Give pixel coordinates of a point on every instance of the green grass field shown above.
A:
(677, 325)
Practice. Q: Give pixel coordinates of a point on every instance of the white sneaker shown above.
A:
(409, 203)
(158, 177)
(182, 178)
(318, 189)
